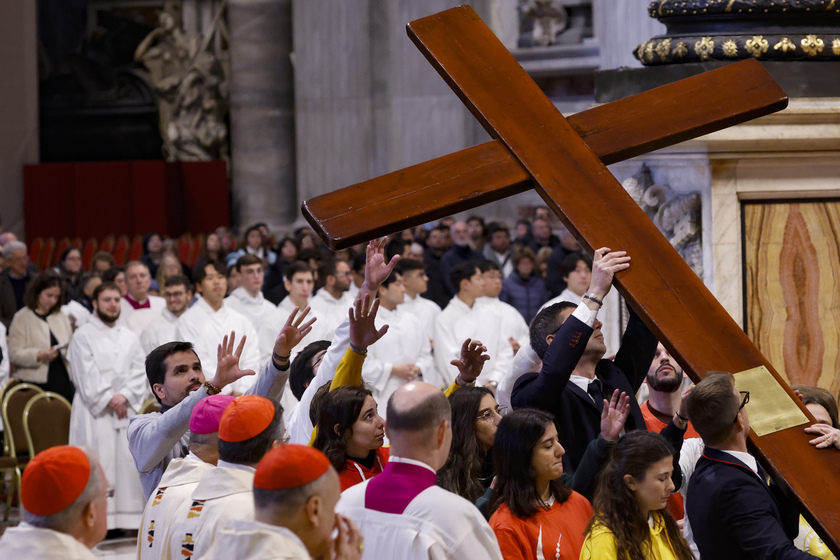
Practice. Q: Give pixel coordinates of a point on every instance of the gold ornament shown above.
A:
(640, 51)
(704, 47)
(663, 48)
(730, 49)
(757, 46)
(649, 51)
(812, 45)
(835, 46)
(784, 45)
(680, 50)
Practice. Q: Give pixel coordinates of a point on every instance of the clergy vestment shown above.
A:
(403, 514)
(511, 322)
(105, 361)
(223, 494)
(404, 343)
(76, 312)
(425, 310)
(138, 319)
(256, 541)
(459, 322)
(206, 329)
(27, 542)
(157, 438)
(162, 329)
(256, 309)
(331, 311)
(176, 486)
(609, 315)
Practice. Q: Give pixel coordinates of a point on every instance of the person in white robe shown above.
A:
(209, 320)
(251, 425)
(295, 493)
(299, 283)
(404, 353)
(182, 475)
(138, 308)
(106, 366)
(178, 294)
(464, 318)
(248, 299)
(576, 271)
(333, 299)
(175, 374)
(76, 312)
(401, 512)
(64, 497)
(416, 283)
(377, 269)
(512, 324)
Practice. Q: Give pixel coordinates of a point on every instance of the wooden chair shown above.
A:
(16, 453)
(150, 405)
(136, 250)
(46, 254)
(88, 251)
(46, 422)
(198, 245)
(121, 250)
(35, 249)
(8, 463)
(76, 242)
(107, 244)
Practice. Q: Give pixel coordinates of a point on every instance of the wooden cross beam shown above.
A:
(535, 145)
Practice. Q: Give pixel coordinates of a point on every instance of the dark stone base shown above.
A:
(798, 79)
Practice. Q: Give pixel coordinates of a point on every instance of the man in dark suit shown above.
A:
(14, 280)
(574, 378)
(733, 512)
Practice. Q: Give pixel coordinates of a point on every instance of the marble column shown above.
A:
(262, 113)
(18, 107)
(620, 25)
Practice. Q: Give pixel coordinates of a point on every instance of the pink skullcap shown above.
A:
(207, 414)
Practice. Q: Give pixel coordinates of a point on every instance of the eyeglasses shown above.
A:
(745, 398)
(489, 414)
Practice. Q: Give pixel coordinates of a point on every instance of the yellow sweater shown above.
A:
(600, 543)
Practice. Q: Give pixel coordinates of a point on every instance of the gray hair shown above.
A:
(11, 247)
(63, 520)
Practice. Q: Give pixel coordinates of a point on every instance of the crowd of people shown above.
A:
(455, 391)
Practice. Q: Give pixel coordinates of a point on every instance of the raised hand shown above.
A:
(471, 361)
(227, 368)
(377, 269)
(604, 266)
(293, 332)
(614, 415)
(363, 331)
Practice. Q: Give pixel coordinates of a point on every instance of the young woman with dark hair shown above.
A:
(631, 520)
(469, 470)
(535, 514)
(351, 434)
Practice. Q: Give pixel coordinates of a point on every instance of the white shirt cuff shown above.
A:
(585, 315)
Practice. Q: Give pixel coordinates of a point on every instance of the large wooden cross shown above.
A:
(534, 146)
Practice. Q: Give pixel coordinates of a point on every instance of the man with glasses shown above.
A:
(734, 514)
(13, 280)
(177, 293)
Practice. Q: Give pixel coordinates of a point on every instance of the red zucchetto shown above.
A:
(53, 479)
(245, 417)
(290, 466)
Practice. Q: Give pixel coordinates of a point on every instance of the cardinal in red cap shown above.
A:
(182, 475)
(64, 497)
(249, 426)
(295, 493)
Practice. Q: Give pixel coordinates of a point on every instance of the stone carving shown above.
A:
(677, 215)
(192, 91)
(549, 19)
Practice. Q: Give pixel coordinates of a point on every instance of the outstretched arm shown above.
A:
(377, 269)
(470, 364)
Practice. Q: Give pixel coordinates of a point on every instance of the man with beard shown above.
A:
(665, 379)
(106, 366)
(331, 302)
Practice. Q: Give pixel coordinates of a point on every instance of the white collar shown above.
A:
(745, 458)
(395, 459)
(237, 466)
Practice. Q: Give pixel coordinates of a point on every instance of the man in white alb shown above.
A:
(106, 366)
(138, 308)
(513, 325)
(404, 352)
(209, 320)
(332, 301)
(177, 293)
(416, 283)
(248, 299)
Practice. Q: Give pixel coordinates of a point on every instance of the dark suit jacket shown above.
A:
(734, 515)
(577, 418)
(8, 303)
